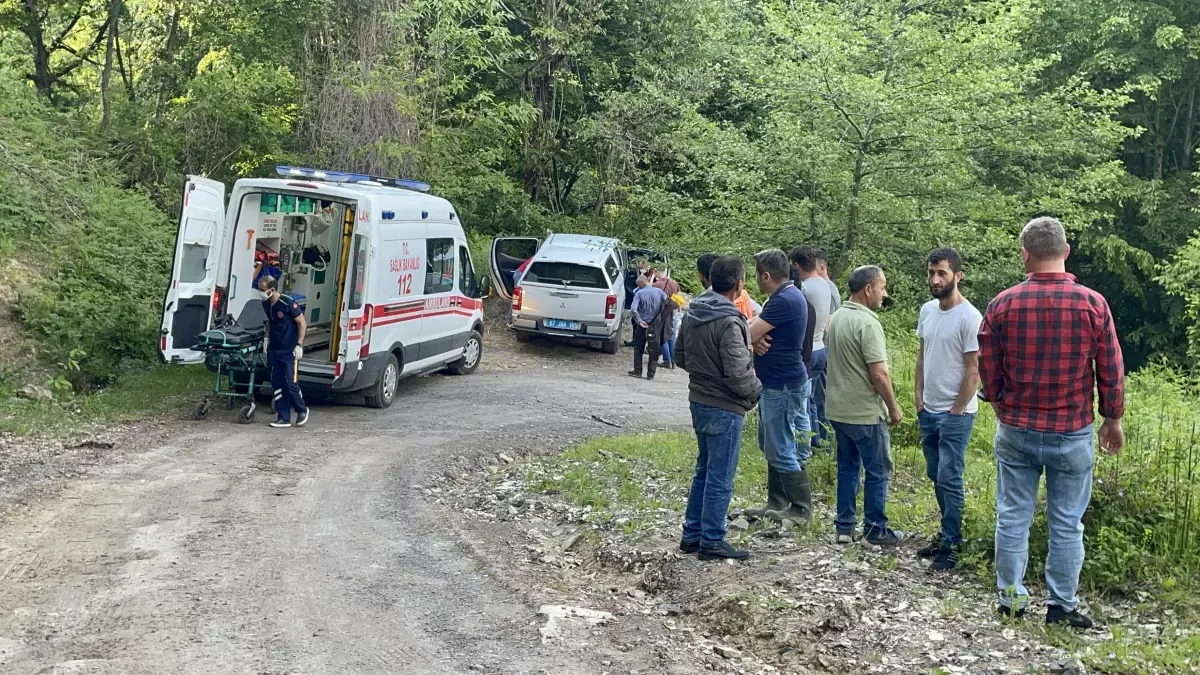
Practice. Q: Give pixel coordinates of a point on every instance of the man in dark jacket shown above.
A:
(714, 348)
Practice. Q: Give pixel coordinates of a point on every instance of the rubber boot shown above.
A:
(776, 499)
(799, 496)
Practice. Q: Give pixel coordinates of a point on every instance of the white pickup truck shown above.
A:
(574, 288)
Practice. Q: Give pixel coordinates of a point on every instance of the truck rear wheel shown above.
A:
(383, 392)
(610, 346)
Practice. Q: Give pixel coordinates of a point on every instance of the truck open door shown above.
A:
(507, 255)
(192, 292)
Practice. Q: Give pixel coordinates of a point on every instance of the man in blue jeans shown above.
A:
(714, 348)
(778, 336)
(861, 405)
(1046, 346)
(947, 378)
(805, 261)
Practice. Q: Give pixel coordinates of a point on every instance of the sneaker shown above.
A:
(302, 418)
(650, 376)
(1009, 612)
(689, 545)
(281, 424)
(884, 537)
(723, 552)
(844, 538)
(1056, 615)
(634, 373)
(931, 549)
(945, 560)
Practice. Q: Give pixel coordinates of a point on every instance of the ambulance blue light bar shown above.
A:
(347, 177)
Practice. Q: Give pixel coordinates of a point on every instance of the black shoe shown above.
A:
(635, 373)
(1056, 615)
(280, 424)
(884, 537)
(1009, 612)
(650, 376)
(628, 343)
(692, 546)
(931, 549)
(945, 560)
(302, 417)
(723, 552)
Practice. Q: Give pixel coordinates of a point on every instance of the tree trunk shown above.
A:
(114, 11)
(1186, 164)
(31, 26)
(168, 62)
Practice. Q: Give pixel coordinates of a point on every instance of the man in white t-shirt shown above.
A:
(806, 261)
(947, 378)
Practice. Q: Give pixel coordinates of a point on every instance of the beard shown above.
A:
(943, 292)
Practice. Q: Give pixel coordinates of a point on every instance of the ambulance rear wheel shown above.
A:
(384, 392)
(472, 355)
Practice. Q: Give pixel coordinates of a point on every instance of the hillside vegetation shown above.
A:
(877, 129)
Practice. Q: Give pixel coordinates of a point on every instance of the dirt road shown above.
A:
(232, 549)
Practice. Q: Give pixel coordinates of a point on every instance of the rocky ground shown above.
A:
(802, 604)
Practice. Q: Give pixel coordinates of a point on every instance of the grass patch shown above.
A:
(135, 396)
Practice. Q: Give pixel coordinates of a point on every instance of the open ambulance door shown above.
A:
(192, 292)
(507, 255)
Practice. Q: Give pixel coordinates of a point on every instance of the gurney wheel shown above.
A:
(246, 414)
(201, 410)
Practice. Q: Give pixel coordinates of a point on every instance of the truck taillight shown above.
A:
(610, 307)
(365, 349)
(517, 299)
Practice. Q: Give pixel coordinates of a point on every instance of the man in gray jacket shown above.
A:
(714, 348)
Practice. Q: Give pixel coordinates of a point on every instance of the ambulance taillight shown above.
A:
(365, 349)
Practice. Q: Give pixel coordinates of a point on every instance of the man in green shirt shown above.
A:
(861, 404)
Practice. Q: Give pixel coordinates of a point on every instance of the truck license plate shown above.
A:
(563, 325)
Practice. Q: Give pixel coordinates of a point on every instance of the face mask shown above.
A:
(266, 295)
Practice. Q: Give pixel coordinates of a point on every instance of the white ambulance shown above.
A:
(381, 268)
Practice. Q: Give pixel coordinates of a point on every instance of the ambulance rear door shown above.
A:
(192, 292)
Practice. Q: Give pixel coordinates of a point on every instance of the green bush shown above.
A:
(92, 258)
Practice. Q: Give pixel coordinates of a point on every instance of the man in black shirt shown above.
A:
(285, 334)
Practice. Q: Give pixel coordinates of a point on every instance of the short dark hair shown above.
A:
(704, 264)
(948, 255)
(272, 282)
(804, 257)
(864, 276)
(821, 255)
(773, 262)
(726, 272)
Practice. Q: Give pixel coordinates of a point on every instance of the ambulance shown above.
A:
(380, 267)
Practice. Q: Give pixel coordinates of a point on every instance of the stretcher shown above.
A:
(235, 354)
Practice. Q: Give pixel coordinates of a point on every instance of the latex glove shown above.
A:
(298, 352)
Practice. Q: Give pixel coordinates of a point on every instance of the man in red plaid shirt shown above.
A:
(1045, 346)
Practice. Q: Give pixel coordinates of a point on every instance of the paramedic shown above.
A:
(285, 334)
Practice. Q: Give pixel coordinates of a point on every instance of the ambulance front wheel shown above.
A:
(472, 355)
(384, 391)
